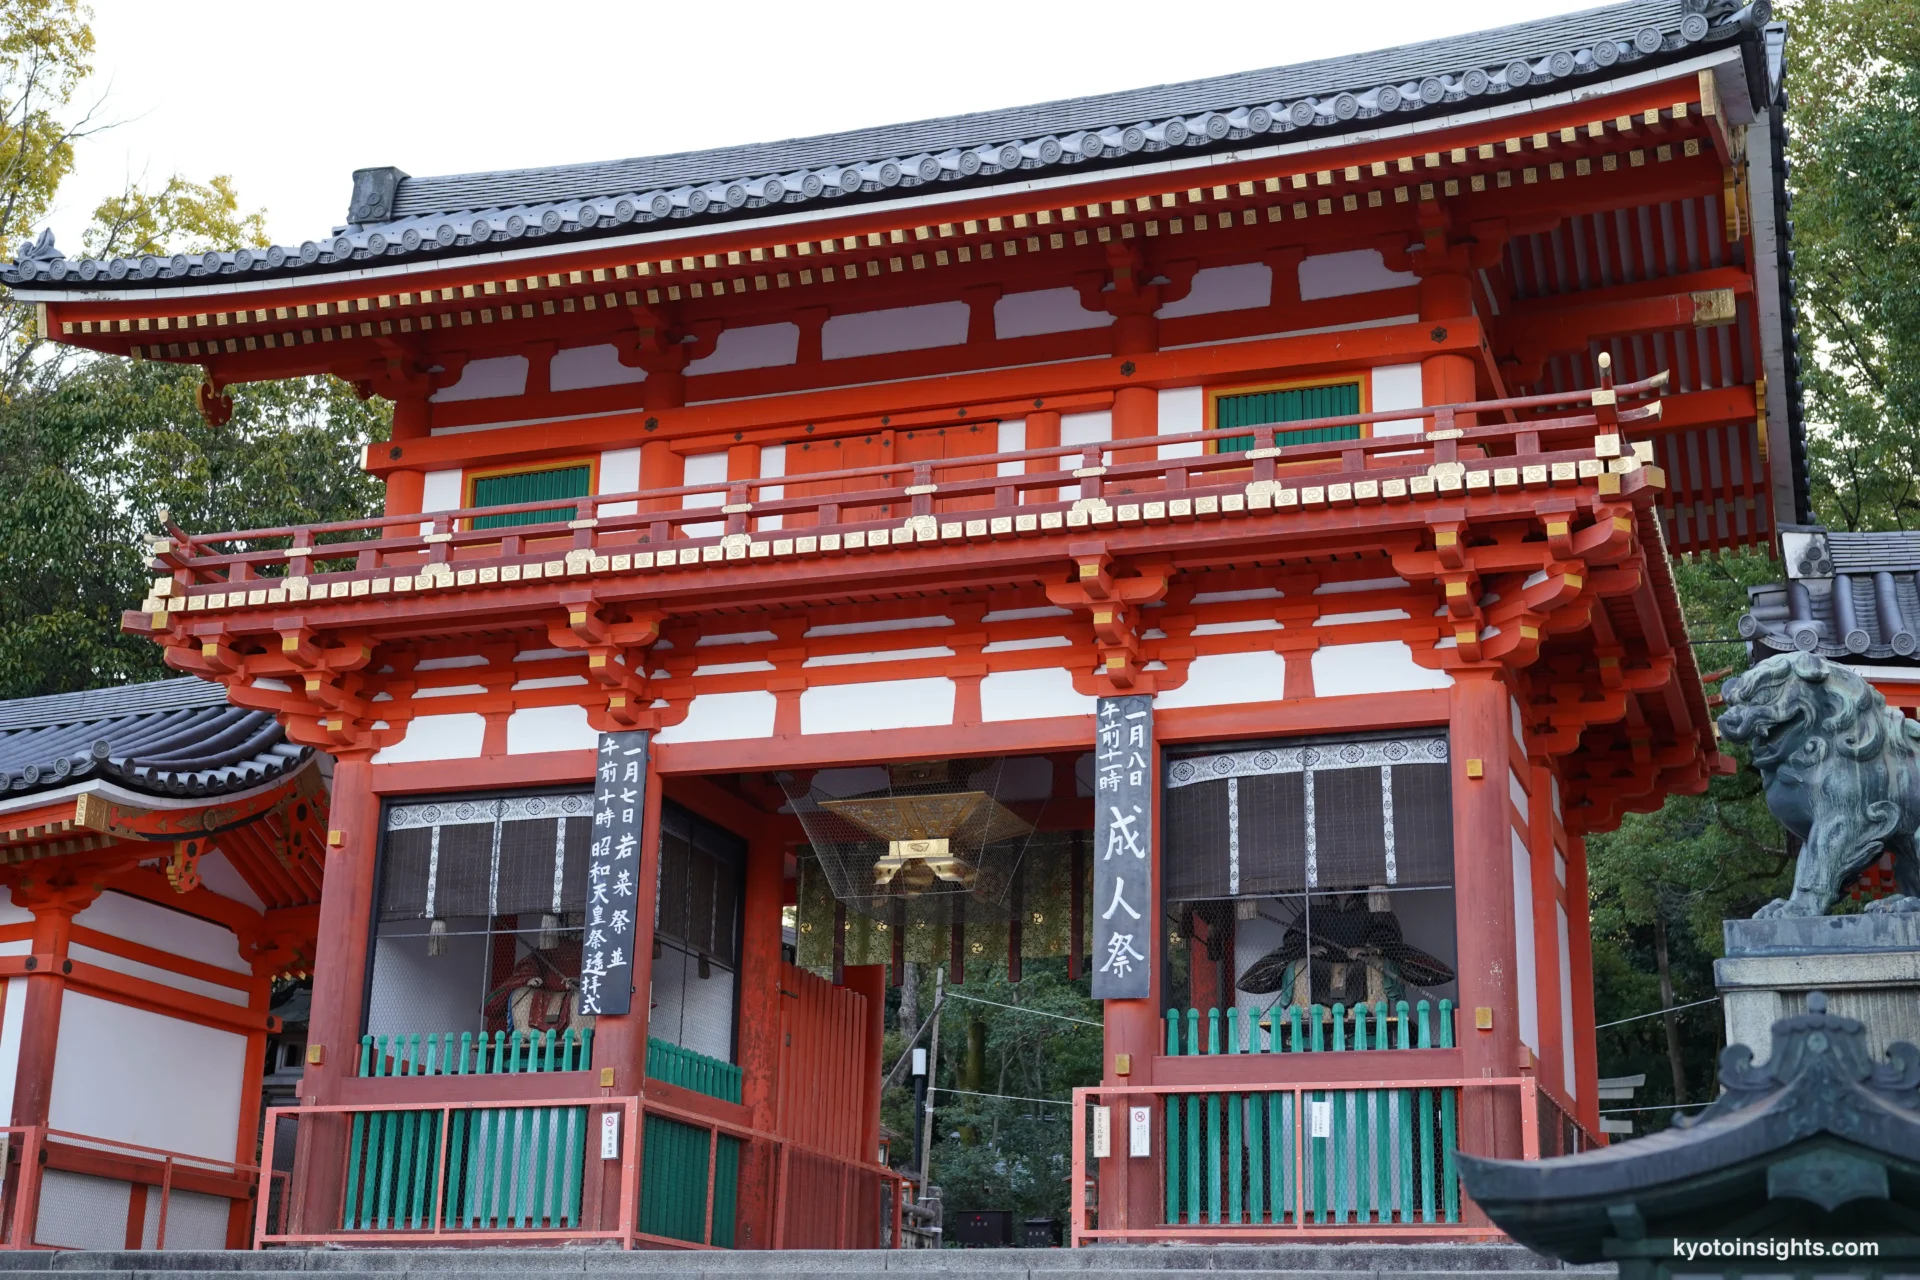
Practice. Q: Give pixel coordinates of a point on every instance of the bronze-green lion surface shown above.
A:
(1841, 771)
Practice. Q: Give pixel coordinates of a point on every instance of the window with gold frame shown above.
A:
(574, 478)
(1282, 402)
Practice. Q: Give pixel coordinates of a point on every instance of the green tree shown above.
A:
(1854, 80)
(88, 463)
(1020, 1155)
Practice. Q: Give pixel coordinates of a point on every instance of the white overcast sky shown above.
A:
(290, 97)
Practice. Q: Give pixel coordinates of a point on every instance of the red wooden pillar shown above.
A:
(53, 907)
(1447, 379)
(1043, 432)
(339, 985)
(1483, 840)
(759, 1022)
(1586, 1053)
(406, 487)
(660, 468)
(1546, 930)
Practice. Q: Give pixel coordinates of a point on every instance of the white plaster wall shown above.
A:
(576, 368)
(878, 704)
(1397, 386)
(164, 929)
(1182, 410)
(1021, 315)
(1519, 732)
(1525, 968)
(693, 1012)
(705, 468)
(487, 379)
(1568, 1075)
(10, 914)
(1012, 439)
(1378, 666)
(1517, 792)
(441, 491)
(773, 463)
(1235, 288)
(218, 875)
(448, 737)
(724, 717)
(1228, 679)
(759, 346)
(133, 1076)
(11, 1020)
(1031, 695)
(873, 333)
(154, 973)
(1335, 275)
(562, 728)
(619, 473)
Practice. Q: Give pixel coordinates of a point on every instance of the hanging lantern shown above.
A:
(549, 939)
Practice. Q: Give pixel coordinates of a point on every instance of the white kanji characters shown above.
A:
(631, 773)
(623, 884)
(1119, 902)
(1121, 836)
(616, 960)
(1121, 957)
(624, 847)
(622, 922)
(603, 818)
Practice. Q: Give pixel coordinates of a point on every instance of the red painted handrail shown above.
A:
(194, 556)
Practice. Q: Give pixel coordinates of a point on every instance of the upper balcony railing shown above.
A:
(1576, 437)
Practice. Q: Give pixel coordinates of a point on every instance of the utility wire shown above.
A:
(1021, 1008)
(1009, 1097)
(1657, 1013)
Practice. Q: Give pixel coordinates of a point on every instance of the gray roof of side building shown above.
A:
(167, 738)
(394, 217)
(1851, 597)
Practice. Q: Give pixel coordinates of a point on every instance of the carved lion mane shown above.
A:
(1841, 771)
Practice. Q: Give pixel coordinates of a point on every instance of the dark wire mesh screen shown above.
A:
(1321, 815)
(480, 908)
(701, 870)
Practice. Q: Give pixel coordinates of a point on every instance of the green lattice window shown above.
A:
(1291, 404)
(530, 486)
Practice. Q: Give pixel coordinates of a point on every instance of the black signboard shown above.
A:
(613, 874)
(1124, 912)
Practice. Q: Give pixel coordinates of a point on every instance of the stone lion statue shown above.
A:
(1841, 771)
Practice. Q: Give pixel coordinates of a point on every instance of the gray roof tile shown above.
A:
(170, 737)
(396, 217)
(1852, 597)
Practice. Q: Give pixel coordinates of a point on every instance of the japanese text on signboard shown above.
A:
(613, 873)
(1123, 787)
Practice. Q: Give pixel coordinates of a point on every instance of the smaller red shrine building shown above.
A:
(160, 852)
(1217, 533)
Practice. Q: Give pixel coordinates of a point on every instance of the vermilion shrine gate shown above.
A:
(816, 523)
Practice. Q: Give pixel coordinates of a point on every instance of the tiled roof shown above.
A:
(395, 217)
(170, 737)
(1848, 596)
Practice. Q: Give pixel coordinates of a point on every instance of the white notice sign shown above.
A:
(1140, 1132)
(1102, 1132)
(1320, 1115)
(609, 1135)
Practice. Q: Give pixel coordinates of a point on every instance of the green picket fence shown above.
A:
(1354, 1156)
(673, 1169)
(508, 1168)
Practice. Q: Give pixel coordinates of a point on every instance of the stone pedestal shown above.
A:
(1868, 965)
